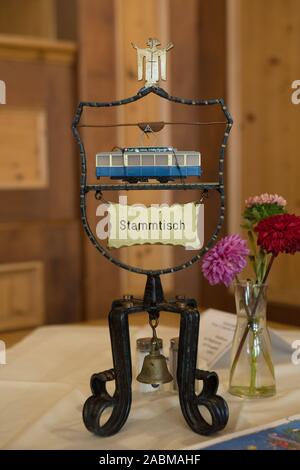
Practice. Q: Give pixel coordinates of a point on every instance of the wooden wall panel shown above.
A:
(66, 27)
(55, 246)
(21, 295)
(28, 17)
(267, 61)
(40, 224)
(23, 148)
(97, 81)
(199, 70)
(185, 69)
(22, 48)
(43, 85)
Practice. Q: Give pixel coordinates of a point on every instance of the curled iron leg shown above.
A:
(186, 376)
(120, 401)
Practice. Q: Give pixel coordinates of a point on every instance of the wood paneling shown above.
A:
(56, 247)
(269, 123)
(185, 68)
(199, 71)
(97, 81)
(28, 17)
(23, 148)
(42, 50)
(40, 224)
(66, 24)
(38, 85)
(21, 295)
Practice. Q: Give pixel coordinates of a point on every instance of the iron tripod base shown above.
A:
(187, 373)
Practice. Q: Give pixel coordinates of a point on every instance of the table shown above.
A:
(46, 381)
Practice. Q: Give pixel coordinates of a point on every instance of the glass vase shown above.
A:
(252, 371)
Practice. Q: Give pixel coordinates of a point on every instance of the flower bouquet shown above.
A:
(270, 231)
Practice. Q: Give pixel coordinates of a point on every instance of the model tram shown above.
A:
(135, 164)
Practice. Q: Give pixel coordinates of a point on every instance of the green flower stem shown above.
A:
(260, 266)
(239, 350)
(250, 318)
(269, 363)
(252, 242)
(253, 258)
(253, 364)
(267, 272)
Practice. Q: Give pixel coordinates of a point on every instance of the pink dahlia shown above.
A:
(265, 199)
(225, 260)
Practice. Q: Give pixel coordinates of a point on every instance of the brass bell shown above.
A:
(154, 370)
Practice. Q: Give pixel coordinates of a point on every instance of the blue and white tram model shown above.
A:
(135, 164)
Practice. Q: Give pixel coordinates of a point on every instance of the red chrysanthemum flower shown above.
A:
(279, 234)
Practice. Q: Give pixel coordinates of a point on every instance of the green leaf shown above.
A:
(258, 212)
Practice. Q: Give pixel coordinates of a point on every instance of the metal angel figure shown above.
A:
(153, 58)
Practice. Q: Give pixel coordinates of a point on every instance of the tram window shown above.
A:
(133, 160)
(192, 160)
(103, 160)
(178, 160)
(117, 160)
(161, 160)
(147, 160)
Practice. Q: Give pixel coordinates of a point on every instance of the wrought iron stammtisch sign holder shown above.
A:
(153, 301)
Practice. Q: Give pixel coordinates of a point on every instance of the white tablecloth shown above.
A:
(46, 381)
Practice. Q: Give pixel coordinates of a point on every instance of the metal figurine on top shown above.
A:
(133, 168)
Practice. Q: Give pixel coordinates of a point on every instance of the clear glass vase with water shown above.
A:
(252, 371)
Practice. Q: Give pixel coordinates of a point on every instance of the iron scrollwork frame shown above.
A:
(215, 186)
(153, 303)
